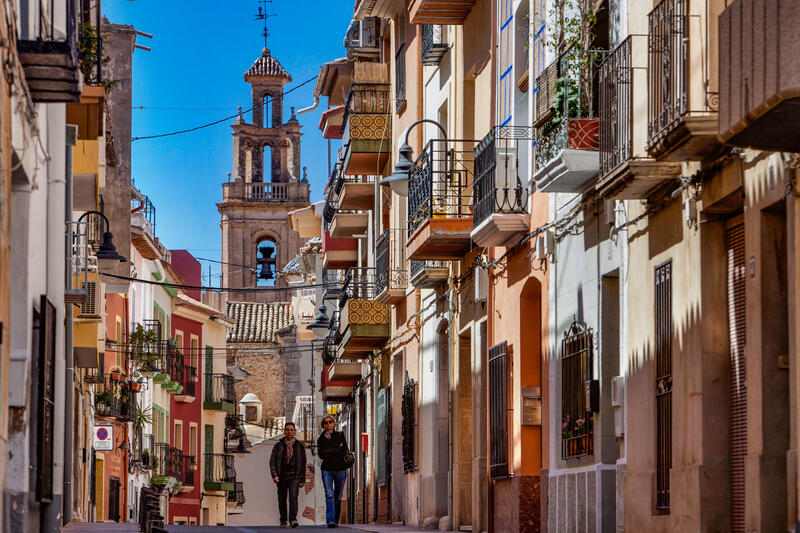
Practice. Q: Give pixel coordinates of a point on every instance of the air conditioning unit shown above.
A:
(545, 245)
(363, 36)
(618, 404)
(92, 306)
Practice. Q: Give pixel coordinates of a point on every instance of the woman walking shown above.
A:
(333, 450)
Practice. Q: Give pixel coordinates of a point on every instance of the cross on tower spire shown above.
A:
(263, 15)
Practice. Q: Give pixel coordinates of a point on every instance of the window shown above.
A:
(179, 339)
(194, 354)
(251, 413)
(498, 411)
(193, 441)
(400, 77)
(408, 409)
(266, 254)
(44, 341)
(177, 439)
(576, 370)
(663, 347)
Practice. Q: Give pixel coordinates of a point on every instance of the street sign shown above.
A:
(104, 438)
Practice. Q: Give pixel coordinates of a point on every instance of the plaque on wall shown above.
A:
(531, 406)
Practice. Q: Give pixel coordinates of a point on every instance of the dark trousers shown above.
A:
(290, 488)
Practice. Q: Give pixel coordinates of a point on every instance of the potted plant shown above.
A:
(136, 386)
(146, 458)
(145, 351)
(116, 375)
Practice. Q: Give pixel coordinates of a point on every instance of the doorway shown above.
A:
(113, 499)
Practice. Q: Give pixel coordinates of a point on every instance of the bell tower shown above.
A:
(265, 185)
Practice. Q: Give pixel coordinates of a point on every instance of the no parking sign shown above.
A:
(104, 438)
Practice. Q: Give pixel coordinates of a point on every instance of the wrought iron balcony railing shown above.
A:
(219, 388)
(174, 363)
(143, 450)
(330, 344)
(219, 468)
(146, 348)
(391, 268)
(566, 104)
(143, 208)
(90, 43)
(116, 399)
(367, 98)
(168, 461)
(668, 66)
(188, 464)
(439, 185)
(434, 44)
(498, 187)
(236, 496)
(359, 284)
(616, 108)
(189, 380)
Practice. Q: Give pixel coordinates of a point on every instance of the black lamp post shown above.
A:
(398, 181)
(321, 322)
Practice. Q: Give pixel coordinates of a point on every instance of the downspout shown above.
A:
(310, 108)
(69, 370)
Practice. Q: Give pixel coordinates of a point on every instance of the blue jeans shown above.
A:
(333, 480)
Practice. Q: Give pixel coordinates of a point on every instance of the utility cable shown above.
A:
(217, 289)
(220, 120)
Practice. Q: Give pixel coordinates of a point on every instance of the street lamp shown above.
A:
(321, 322)
(398, 181)
(107, 253)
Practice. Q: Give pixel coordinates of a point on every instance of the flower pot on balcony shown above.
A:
(116, 375)
(583, 133)
(136, 386)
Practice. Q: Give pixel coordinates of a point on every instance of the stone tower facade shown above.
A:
(265, 185)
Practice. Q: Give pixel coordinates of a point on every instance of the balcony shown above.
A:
(219, 472)
(357, 192)
(682, 116)
(391, 268)
(501, 200)
(146, 348)
(337, 385)
(759, 89)
(429, 274)
(188, 468)
(171, 375)
(440, 201)
(143, 451)
(143, 226)
(241, 192)
(187, 395)
(48, 52)
(626, 171)
(434, 44)
(236, 496)
(115, 400)
(568, 129)
(364, 322)
(348, 198)
(338, 254)
(367, 128)
(439, 11)
(167, 463)
(219, 393)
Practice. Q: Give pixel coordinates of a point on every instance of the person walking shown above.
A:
(287, 464)
(333, 451)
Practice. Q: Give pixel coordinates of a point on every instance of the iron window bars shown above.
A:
(498, 187)
(616, 108)
(663, 360)
(390, 261)
(219, 388)
(576, 369)
(566, 91)
(498, 411)
(434, 44)
(439, 184)
(400, 77)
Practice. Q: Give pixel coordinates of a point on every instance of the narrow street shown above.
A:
(101, 527)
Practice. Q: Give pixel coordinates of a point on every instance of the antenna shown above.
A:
(263, 15)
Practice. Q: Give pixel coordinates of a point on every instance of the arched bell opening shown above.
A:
(266, 256)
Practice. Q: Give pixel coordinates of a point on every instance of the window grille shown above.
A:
(409, 406)
(400, 76)
(576, 369)
(663, 343)
(46, 399)
(498, 410)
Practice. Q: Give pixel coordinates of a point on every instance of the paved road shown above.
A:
(131, 528)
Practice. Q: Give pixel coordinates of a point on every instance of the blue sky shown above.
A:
(200, 51)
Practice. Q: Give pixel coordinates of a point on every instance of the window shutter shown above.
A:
(498, 410)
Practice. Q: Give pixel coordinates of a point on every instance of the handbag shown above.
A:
(349, 458)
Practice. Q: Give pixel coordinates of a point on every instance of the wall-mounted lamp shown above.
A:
(398, 181)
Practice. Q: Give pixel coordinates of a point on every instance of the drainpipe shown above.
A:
(310, 108)
(69, 370)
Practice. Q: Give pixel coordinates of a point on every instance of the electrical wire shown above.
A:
(157, 136)
(217, 289)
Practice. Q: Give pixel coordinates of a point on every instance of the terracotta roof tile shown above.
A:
(258, 322)
(266, 65)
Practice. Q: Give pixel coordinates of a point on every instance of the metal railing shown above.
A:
(236, 496)
(439, 184)
(143, 450)
(219, 388)
(146, 348)
(616, 108)
(359, 284)
(391, 268)
(168, 461)
(174, 363)
(417, 266)
(265, 191)
(366, 98)
(566, 94)
(45, 31)
(498, 187)
(330, 344)
(189, 380)
(668, 65)
(90, 42)
(577, 436)
(116, 399)
(77, 258)
(188, 464)
(434, 45)
(219, 468)
(144, 208)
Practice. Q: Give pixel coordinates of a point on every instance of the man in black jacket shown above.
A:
(287, 464)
